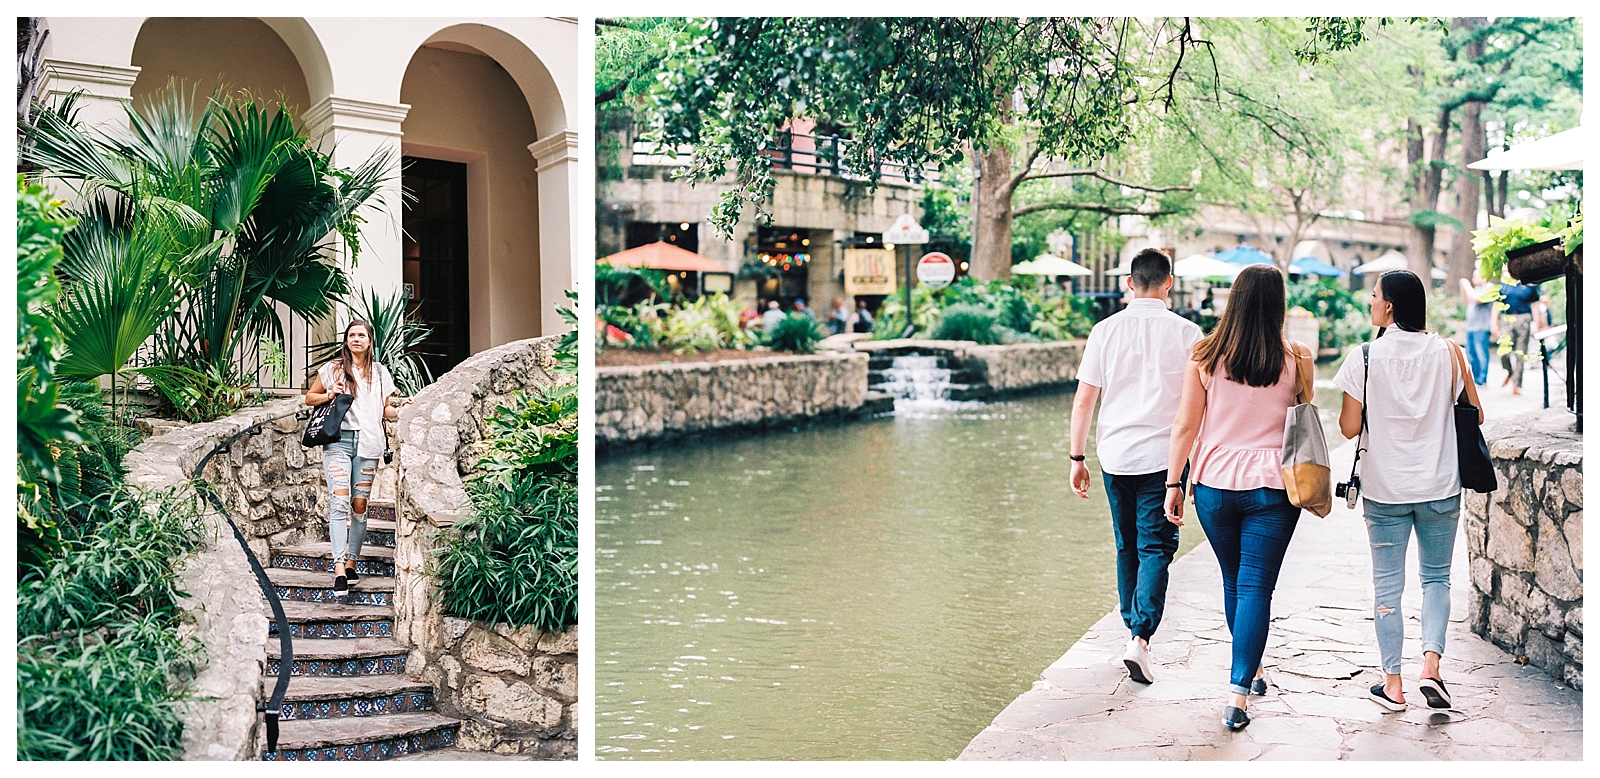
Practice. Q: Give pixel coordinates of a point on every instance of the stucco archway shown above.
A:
(242, 54)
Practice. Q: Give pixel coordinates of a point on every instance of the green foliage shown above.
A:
(796, 333)
(1572, 234)
(101, 666)
(623, 327)
(707, 324)
(515, 559)
(1328, 34)
(1064, 318)
(965, 321)
(566, 352)
(617, 285)
(891, 321)
(1342, 315)
(397, 338)
(1504, 235)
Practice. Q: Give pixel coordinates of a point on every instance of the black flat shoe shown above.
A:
(1433, 689)
(1377, 694)
(1235, 718)
(340, 586)
(1258, 687)
(350, 573)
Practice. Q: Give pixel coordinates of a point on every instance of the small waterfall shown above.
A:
(917, 378)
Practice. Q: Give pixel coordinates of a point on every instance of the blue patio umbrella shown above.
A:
(1244, 255)
(1311, 266)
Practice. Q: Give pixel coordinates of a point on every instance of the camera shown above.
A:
(388, 456)
(1349, 490)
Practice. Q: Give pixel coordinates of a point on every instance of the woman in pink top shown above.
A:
(1240, 382)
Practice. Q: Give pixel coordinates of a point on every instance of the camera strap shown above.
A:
(1361, 436)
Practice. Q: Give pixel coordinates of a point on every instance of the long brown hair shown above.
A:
(1248, 342)
(347, 360)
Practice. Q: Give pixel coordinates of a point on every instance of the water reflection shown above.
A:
(875, 590)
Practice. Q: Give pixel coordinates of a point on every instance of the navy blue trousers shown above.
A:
(1146, 543)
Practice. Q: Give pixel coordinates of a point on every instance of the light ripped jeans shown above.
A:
(346, 531)
(1389, 528)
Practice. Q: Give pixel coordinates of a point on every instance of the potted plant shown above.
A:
(1525, 251)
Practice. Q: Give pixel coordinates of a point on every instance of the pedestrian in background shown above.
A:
(773, 315)
(1522, 301)
(862, 319)
(1133, 366)
(801, 308)
(1402, 387)
(1480, 318)
(1237, 390)
(839, 319)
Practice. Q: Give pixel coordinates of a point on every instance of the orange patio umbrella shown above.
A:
(662, 255)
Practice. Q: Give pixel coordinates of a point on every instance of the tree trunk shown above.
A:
(991, 246)
(1468, 191)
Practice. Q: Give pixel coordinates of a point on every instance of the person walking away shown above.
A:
(1133, 366)
(1237, 389)
(863, 317)
(1480, 316)
(1522, 302)
(801, 308)
(1404, 389)
(351, 462)
(839, 318)
(770, 319)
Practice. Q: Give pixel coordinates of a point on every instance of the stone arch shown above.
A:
(242, 52)
(538, 87)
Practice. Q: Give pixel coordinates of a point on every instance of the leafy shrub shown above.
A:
(1065, 318)
(706, 324)
(968, 322)
(1341, 313)
(101, 667)
(891, 320)
(796, 333)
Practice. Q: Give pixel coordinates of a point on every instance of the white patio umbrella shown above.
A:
(1391, 260)
(1050, 265)
(1561, 151)
(1202, 266)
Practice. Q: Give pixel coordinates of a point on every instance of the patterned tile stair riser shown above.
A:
(355, 596)
(333, 630)
(413, 702)
(323, 565)
(383, 749)
(382, 665)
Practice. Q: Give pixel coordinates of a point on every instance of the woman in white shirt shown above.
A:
(1410, 479)
(361, 443)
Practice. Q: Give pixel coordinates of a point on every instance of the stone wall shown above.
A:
(273, 490)
(658, 402)
(1525, 544)
(1021, 366)
(528, 681)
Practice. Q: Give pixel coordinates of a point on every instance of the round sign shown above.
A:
(936, 270)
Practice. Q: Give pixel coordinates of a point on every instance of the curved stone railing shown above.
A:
(226, 609)
(515, 689)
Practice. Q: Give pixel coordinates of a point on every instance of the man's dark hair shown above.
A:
(1149, 269)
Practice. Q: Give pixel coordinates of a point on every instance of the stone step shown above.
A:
(360, 696)
(877, 403)
(341, 658)
(374, 560)
(362, 739)
(325, 621)
(459, 755)
(308, 586)
(961, 392)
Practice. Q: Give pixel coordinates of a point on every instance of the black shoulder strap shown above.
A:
(1361, 436)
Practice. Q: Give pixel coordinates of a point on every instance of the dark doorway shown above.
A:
(684, 235)
(786, 250)
(435, 264)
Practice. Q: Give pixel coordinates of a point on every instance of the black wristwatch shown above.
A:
(1077, 458)
(1178, 486)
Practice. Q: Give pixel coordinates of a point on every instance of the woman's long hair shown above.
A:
(347, 360)
(1409, 297)
(1248, 342)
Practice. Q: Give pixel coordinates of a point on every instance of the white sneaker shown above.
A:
(1137, 659)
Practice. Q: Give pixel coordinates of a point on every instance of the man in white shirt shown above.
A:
(1133, 365)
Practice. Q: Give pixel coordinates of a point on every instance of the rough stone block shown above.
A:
(1482, 574)
(1553, 570)
(1572, 486)
(1506, 627)
(1509, 544)
(486, 651)
(514, 703)
(556, 677)
(523, 638)
(1572, 529)
(1575, 621)
(1544, 653)
(565, 642)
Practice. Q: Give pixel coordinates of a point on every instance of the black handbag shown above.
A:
(1472, 451)
(326, 420)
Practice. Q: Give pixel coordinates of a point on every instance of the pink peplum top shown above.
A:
(1241, 434)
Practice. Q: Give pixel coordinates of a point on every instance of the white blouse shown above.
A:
(366, 412)
(1411, 431)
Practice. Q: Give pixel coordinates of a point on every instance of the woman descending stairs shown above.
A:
(349, 696)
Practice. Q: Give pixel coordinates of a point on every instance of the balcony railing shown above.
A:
(802, 153)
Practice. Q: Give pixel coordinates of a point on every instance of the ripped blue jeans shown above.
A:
(347, 527)
(1389, 529)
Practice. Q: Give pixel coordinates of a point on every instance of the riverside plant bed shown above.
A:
(1004, 368)
(614, 357)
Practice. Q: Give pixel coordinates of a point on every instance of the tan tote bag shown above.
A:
(1307, 471)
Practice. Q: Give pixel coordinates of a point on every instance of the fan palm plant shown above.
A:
(396, 338)
(226, 197)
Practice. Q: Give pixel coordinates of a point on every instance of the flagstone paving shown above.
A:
(1321, 658)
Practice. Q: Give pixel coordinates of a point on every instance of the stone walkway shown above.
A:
(1321, 657)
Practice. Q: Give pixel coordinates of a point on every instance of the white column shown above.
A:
(557, 157)
(107, 89)
(352, 131)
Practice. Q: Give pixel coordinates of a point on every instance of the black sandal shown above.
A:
(1433, 689)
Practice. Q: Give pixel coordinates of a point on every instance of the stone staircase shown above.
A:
(349, 697)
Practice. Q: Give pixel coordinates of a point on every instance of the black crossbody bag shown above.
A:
(325, 422)
(1472, 451)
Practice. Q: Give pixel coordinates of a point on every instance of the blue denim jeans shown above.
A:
(1389, 529)
(339, 461)
(1478, 355)
(1146, 543)
(1249, 531)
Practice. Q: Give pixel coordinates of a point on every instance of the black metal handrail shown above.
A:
(826, 157)
(274, 706)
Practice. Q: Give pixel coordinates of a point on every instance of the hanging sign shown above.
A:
(868, 271)
(936, 270)
(905, 230)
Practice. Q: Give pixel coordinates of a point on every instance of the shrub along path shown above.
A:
(1321, 657)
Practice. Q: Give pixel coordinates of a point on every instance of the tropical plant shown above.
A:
(1065, 317)
(1504, 235)
(1572, 234)
(796, 333)
(616, 285)
(101, 664)
(891, 321)
(966, 321)
(515, 559)
(1341, 313)
(396, 338)
(707, 324)
(218, 213)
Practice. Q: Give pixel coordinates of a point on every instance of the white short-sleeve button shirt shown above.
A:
(1410, 451)
(1137, 357)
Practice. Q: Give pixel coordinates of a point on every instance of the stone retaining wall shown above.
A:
(226, 611)
(1005, 368)
(528, 681)
(1525, 544)
(658, 402)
